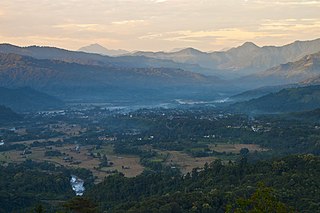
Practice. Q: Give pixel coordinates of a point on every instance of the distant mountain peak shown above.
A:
(96, 45)
(246, 47)
(190, 50)
(99, 49)
(249, 45)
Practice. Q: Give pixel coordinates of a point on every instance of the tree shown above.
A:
(262, 200)
(39, 209)
(244, 152)
(81, 205)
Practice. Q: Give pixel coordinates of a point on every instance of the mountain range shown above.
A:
(72, 80)
(247, 59)
(53, 53)
(72, 75)
(305, 69)
(243, 60)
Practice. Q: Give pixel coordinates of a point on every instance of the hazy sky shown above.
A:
(158, 24)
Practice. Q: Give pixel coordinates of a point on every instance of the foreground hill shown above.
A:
(310, 116)
(72, 80)
(7, 115)
(217, 188)
(286, 185)
(27, 99)
(259, 92)
(243, 60)
(287, 100)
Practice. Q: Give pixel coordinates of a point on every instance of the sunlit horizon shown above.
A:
(158, 25)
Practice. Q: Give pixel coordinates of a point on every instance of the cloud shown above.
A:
(298, 2)
(159, 24)
(151, 36)
(130, 22)
(159, 1)
(289, 2)
(199, 36)
(87, 27)
(291, 25)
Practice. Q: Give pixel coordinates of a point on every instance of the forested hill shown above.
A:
(286, 100)
(28, 184)
(28, 99)
(290, 185)
(77, 81)
(7, 115)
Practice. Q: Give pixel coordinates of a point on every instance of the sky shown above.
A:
(158, 25)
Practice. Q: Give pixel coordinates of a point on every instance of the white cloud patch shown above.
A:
(221, 34)
(159, 1)
(288, 2)
(130, 22)
(293, 25)
(89, 27)
(298, 2)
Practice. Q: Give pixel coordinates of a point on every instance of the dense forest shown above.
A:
(286, 100)
(289, 184)
(24, 186)
(292, 182)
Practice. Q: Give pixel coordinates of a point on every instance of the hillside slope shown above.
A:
(7, 115)
(72, 80)
(287, 100)
(27, 99)
(293, 72)
(52, 53)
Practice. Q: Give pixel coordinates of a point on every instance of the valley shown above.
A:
(143, 128)
(101, 145)
(160, 106)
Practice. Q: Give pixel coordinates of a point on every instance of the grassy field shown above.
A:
(235, 148)
(89, 157)
(184, 161)
(67, 129)
(128, 165)
(28, 142)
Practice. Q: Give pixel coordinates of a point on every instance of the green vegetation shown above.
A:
(27, 99)
(89, 79)
(53, 153)
(292, 184)
(262, 200)
(7, 115)
(279, 151)
(287, 100)
(25, 185)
